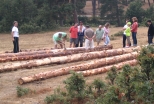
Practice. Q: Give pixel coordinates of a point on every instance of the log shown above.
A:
(80, 67)
(107, 68)
(64, 59)
(47, 53)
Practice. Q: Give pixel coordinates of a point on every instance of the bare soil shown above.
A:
(8, 80)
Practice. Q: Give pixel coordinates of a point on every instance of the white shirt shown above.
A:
(83, 28)
(15, 31)
(125, 27)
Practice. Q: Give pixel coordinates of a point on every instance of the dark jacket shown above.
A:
(151, 30)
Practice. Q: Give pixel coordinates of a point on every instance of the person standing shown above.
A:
(150, 32)
(134, 30)
(124, 34)
(128, 33)
(99, 33)
(89, 36)
(15, 37)
(59, 38)
(80, 38)
(105, 36)
(74, 34)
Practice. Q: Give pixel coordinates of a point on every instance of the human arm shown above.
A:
(70, 30)
(12, 33)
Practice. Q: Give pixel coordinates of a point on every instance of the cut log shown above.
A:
(65, 59)
(47, 53)
(90, 65)
(107, 68)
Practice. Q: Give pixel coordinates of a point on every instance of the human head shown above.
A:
(15, 23)
(127, 21)
(134, 19)
(149, 22)
(80, 23)
(76, 24)
(129, 24)
(107, 25)
(60, 35)
(87, 26)
(100, 26)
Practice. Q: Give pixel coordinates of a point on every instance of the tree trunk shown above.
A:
(126, 2)
(107, 68)
(99, 4)
(117, 14)
(75, 15)
(64, 59)
(94, 8)
(81, 67)
(47, 53)
(149, 2)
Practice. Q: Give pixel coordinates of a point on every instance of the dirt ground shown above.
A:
(8, 80)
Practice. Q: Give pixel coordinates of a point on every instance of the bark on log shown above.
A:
(47, 53)
(81, 67)
(64, 59)
(107, 68)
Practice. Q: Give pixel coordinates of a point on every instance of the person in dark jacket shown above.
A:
(150, 32)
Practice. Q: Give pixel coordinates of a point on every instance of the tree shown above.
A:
(149, 2)
(111, 10)
(94, 8)
(135, 10)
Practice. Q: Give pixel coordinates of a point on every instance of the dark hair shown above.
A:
(149, 21)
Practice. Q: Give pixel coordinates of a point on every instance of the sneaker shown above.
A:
(127, 47)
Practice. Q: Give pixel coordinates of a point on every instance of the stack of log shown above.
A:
(64, 59)
(47, 53)
(105, 59)
(82, 67)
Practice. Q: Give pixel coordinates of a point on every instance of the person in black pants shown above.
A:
(15, 37)
(150, 32)
(81, 30)
(124, 34)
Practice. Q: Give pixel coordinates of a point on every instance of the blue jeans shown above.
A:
(134, 38)
(107, 40)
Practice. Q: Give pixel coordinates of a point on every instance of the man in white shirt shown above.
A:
(80, 39)
(15, 37)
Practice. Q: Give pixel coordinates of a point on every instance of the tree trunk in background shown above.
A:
(98, 4)
(117, 15)
(126, 2)
(75, 15)
(81, 67)
(94, 8)
(149, 2)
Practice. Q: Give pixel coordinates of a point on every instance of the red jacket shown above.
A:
(74, 32)
(134, 27)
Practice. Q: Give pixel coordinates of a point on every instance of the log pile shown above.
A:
(82, 67)
(104, 60)
(107, 68)
(47, 53)
(64, 59)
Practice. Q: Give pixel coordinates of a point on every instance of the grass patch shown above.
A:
(120, 33)
(22, 91)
